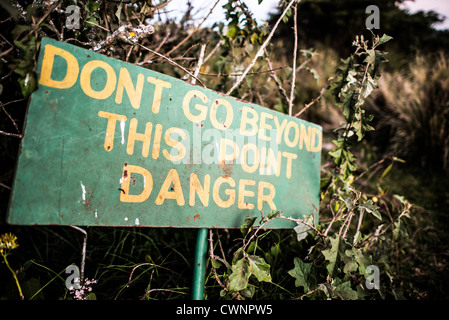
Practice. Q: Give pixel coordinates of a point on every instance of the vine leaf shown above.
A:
(238, 280)
(302, 228)
(244, 268)
(345, 292)
(332, 254)
(371, 208)
(259, 268)
(384, 39)
(302, 274)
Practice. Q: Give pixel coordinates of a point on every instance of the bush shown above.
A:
(411, 109)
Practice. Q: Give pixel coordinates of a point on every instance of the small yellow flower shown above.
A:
(351, 179)
(8, 241)
(132, 34)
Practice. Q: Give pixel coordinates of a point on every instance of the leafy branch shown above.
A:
(356, 78)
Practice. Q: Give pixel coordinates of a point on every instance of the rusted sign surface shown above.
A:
(108, 143)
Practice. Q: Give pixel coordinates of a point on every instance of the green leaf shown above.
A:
(302, 228)
(384, 39)
(371, 208)
(345, 292)
(248, 292)
(400, 198)
(274, 214)
(336, 153)
(386, 171)
(332, 254)
(254, 38)
(400, 230)
(247, 224)
(232, 31)
(351, 264)
(91, 296)
(302, 274)
(215, 263)
(92, 6)
(18, 30)
(259, 268)
(238, 280)
(28, 84)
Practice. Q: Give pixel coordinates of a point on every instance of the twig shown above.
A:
(151, 290)
(83, 254)
(138, 266)
(200, 63)
(218, 45)
(148, 59)
(10, 118)
(358, 226)
(5, 186)
(11, 134)
(97, 25)
(36, 25)
(261, 49)
(194, 31)
(212, 256)
(276, 80)
(172, 62)
(292, 90)
(125, 33)
(371, 167)
(238, 74)
(322, 92)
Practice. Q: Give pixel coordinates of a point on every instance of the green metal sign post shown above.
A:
(199, 270)
(108, 143)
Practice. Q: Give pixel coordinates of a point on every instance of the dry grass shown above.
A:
(411, 109)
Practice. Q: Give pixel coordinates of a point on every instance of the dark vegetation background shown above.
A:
(411, 121)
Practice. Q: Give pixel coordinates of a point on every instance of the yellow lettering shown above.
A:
(165, 193)
(244, 158)
(160, 84)
(263, 160)
(157, 141)
(213, 114)
(223, 155)
(280, 128)
(305, 137)
(229, 192)
(175, 144)
(201, 108)
(290, 157)
(242, 193)
(126, 178)
(268, 198)
(125, 83)
(110, 129)
(264, 126)
(316, 147)
(47, 67)
(247, 120)
(133, 136)
(195, 187)
(273, 161)
(288, 142)
(85, 79)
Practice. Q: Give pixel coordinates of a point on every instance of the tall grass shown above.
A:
(411, 110)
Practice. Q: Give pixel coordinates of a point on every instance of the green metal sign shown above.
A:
(108, 143)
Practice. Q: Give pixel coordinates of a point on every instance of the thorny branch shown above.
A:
(261, 49)
(295, 50)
